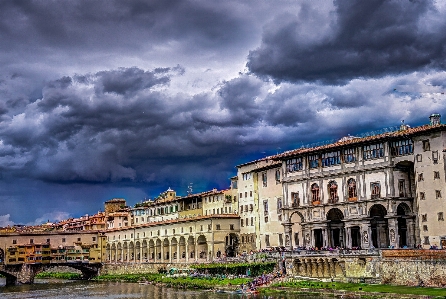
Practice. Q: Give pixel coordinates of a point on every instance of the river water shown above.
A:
(61, 289)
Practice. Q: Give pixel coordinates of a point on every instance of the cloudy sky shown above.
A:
(103, 99)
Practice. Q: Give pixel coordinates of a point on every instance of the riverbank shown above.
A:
(375, 290)
(298, 286)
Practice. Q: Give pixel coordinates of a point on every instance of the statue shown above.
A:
(365, 237)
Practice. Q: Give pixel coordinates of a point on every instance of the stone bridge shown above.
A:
(25, 273)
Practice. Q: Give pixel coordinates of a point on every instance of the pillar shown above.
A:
(324, 235)
(178, 252)
(348, 237)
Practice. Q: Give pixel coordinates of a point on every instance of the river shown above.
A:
(61, 289)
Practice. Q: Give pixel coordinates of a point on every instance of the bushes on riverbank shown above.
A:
(182, 282)
(59, 275)
(300, 285)
(255, 269)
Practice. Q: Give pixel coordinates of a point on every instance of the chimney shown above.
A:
(435, 119)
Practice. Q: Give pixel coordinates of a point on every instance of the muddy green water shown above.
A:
(58, 289)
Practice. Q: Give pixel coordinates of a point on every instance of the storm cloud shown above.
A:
(352, 40)
(126, 99)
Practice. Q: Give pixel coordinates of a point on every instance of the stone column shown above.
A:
(195, 251)
(324, 235)
(410, 223)
(348, 237)
(178, 252)
(187, 251)
(162, 252)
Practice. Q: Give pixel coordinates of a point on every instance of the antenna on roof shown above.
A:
(189, 189)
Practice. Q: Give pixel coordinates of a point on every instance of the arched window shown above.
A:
(315, 195)
(352, 194)
(333, 192)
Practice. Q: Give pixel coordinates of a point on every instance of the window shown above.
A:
(264, 179)
(265, 207)
(246, 176)
(31, 241)
(436, 175)
(218, 227)
(234, 184)
(173, 232)
(201, 228)
(241, 223)
(48, 240)
(426, 145)
(402, 188)
(93, 239)
(251, 207)
(246, 221)
(281, 239)
(78, 239)
(419, 158)
(426, 241)
(348, 155)
(420, 177)
(373, 151)
(295, 199)
(422, 196)
(250, 193)
(315, 196)
(333, 192)
(425, 228)
(246, 208)
(375, 189)
(279, 205)
(435, 157)
(240, 196)
(277, 176)
(293, 165)
(330, 159)
(63, 240)
(231, 226)
(190, 229)
(424, 218)
(296, 239)
(352, 195)
(246, 194)
(401, 147)
(437, 193)
(313, 161)
(267, 240)
(252, 221)
(279, 217)
(440, 216)
(266, 219)
(14, 241)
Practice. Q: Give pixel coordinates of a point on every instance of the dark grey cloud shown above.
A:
(361, 40)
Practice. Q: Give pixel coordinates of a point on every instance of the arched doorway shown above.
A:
(296, 218)
(202, 247)
(379, 226)
(335, 228)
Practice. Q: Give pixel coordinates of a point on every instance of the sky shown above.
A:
(104, 99)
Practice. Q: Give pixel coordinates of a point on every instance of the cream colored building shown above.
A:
(385, 190)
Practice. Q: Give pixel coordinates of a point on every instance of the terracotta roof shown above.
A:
(356, 140)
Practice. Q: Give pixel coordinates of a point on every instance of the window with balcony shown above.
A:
(402, 188)
(352, 192)
(333, 192)
(375, 188)
(315, 194)
(295, 199)
(294, 164)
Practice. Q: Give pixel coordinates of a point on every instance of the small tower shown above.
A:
(435, 119)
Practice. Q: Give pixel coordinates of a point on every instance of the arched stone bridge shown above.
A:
(25, 273)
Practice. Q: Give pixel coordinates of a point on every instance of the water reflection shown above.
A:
(62, 289)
